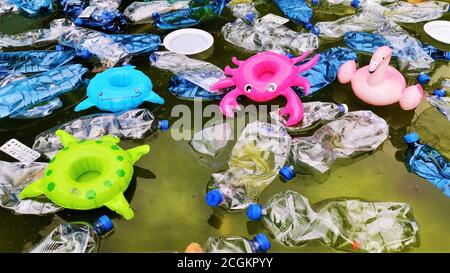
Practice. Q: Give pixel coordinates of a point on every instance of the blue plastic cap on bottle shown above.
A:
(315, 2)
(423, 78)
(59, 48)
(254, 212)
(250, 16)
(155, 15)
(263, 242)
(85, 54)
(315, 30)
(308, 25)
(343, 108)
(411, 138)
(78, 22)
(164, 125)
(447, 55)
(355, 3)
(214, 198)
(440, 93)
(103, 225)
(287, 173)
(290, 55)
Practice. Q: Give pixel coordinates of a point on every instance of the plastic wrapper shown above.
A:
(34, 90)
(212, 139)
(133, 124)
(16, 176)
(34, 61)
(141, 12)
(243, 8)
(353, 225)
(185, 89)
(353, 134)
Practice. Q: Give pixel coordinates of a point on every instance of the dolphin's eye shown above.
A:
(100, 94)
(137, 91)
(272, 87)
(248, 88)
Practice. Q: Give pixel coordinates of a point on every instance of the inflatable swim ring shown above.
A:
(119, 89)
(88, 174)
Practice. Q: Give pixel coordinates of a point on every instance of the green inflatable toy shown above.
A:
(88, 174)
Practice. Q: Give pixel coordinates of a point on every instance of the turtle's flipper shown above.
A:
(65, 137)
(32, 190)
(137, 152)
(120, 205)
(111, 138)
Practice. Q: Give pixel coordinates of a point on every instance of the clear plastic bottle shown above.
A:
(33, 7)
(258, 155)
(440, 102)
(346, 224)
(243, 8)
(105, 19)
(75, 237)
(7, 6)
(237, 244)
(404, 12)
(260, 35)
(427, 163)
(141, 12)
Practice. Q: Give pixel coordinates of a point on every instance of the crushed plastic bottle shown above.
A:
(441, 103)
(354, 133)
(40, 110)
(33, 7)
(22, 94)
(200, 73)
(184, 89)
(105, 3)
(243, 9)
(190, 16)
(262, 35)
(212, 139)
(34, 60)
(75, 237)
(297, 10)
(404, 12)
(15, 176)
(353, 3)
(7, 6)
(260, 152)
(7, 78)
(353, 225)
(427, 163)
(316, 113)
(104, 19)
(237, 244)
(141, 12)
(133, 124)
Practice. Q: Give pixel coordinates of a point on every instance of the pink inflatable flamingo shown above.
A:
(264, 77)
(379, 83)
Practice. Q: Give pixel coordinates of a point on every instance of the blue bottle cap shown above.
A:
(103, 225)
(164, 125)
(263, 243)
(355, 3)
(85, 54)
(423, 78)
(440, 93)
(254, 212)
(214, 198)
(447, 55)
(308, 25)
(59, 48)
(315, 2)
(250, 16)
(411, 138)
(78, 21)
(315, 30)
(290, 55)
(155, 15)
(287, 173)
(343, 108)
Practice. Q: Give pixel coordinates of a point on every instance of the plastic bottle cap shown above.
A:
(315, 2)
(214, 198)
(447, 55)
(315, 30)
(164, 125)
(250, 16)
(423, 78)
(411, 138)
(78, 21)
(440, 92)
(290, 55)
(355, 3)
(85, 54)
(59, 48)
(343, 108)
(287, 172)
(308, 25)
(103, 225)
(254, 212)
(263, 242)
(155, 15)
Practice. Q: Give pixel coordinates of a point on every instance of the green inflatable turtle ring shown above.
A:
(88, 174)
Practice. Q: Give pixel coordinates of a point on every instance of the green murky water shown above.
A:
(168, 190)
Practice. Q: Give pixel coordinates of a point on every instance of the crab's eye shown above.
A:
(272, 87)
(248, 88)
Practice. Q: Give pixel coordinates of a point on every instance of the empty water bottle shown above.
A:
(40, 110)
(353, 3)
(102, 18)
(260, 152)
(442, 86)
(7, 78)
(34, 7)
(132, 124)
(141, 12)
(7, 6)
(427, 163)
(243, 9)
(106, 3)
(354, 133)
(237, 244)
(24, 93)
(346, 224)
(34, 60)
(297, 11)
(404, 12)
(263, 35)
(212, 139)
(440, 102)
(75, 237)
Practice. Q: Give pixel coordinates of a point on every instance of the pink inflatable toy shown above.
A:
(379, 83)
(264, 77)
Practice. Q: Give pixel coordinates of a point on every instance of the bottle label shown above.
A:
(19, 151)
(86, 13)
(275, 19)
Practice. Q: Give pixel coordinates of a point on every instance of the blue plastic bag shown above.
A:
(34, 60)
(34, 7)
(326, 69)
(28, 92)
(185, 89)
(427, 163)
(297, 11)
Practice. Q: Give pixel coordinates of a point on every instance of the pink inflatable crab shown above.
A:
(264, 77)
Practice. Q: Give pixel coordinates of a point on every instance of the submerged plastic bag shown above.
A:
(28, 92)
(34, 60)
(16, 176)
(133, 124)
(346, 224)
(260, 152)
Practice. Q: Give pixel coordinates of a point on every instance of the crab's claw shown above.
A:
(222, 84)
(293, 108)
(229, 103)
(309, 64)
(303, 83)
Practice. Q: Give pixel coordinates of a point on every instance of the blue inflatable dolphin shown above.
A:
(119, 89)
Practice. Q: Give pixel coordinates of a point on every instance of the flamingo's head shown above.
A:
(382, 54)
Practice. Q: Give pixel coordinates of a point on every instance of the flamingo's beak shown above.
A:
(373, 66)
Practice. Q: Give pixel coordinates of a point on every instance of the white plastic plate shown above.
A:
(19, 151)
(188, 41)
(438, 30)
